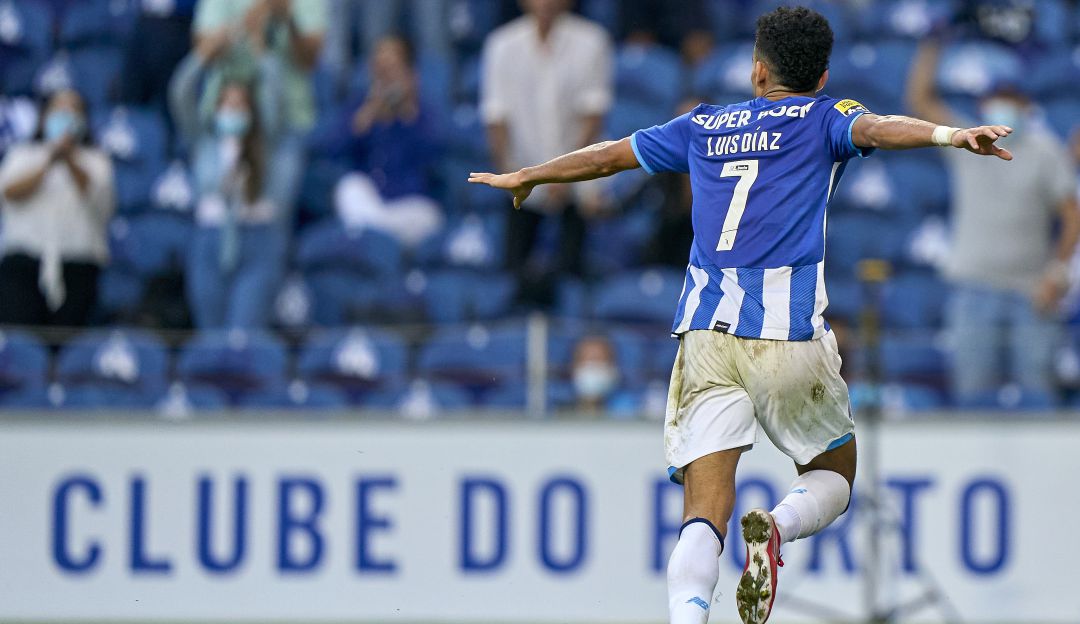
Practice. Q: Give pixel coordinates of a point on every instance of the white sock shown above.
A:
(816, 499)
(693, 571)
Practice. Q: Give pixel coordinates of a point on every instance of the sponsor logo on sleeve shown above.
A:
(848, 108)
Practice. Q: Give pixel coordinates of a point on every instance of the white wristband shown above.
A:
(943, 136)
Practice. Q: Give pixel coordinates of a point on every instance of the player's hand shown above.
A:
(981, 140)
(508, 182)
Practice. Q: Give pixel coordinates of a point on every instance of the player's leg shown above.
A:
(693, 569)
(819, 495)
(802, 404)
(710, 422)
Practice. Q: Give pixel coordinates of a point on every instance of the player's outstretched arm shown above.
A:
(896, 132)
(588, 163)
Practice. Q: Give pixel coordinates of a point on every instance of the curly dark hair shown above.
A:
(795, 42)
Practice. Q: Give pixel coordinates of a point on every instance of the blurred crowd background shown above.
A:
(262, 203)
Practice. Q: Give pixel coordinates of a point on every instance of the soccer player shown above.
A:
(754, 347)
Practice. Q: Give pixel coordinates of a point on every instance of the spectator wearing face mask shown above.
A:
(58, 197)
(393, 146)
(1009, 263)
(595, 377)
(237, 257)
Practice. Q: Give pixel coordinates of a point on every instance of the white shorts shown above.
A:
(722, 386)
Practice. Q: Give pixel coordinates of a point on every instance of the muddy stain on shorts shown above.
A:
(817, 392)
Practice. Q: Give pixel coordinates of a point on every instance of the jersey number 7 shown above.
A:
(746, 171)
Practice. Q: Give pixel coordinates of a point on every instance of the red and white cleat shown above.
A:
(757, 586)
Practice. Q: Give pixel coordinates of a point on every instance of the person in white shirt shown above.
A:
(58, 196)
(546, 86)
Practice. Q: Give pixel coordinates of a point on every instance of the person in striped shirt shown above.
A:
(755, 347)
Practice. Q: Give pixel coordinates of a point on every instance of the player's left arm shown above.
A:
(589, 163)
(895, 132)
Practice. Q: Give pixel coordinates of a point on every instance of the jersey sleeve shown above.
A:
(664, 148)
(840, 116)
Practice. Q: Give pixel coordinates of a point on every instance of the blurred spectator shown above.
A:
(547, 83)
(427, 23)
(160, 39)
(393, 148)
(1008, 267)
(237, 257)
(595, 376)
(670, 245)
(58, 197)
(292, 32)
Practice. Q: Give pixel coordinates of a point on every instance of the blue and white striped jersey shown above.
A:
(762, 174)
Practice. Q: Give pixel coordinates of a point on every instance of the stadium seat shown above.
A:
(181, 399)
(90, 22)
(458, 296)
(912, 358)
(1053, 21)
(151, 244)
(296, 395)
(873, 72)
(329, 244)
(479, 357)
(649, 75)
(321, 176)
(119, 291)
(1011, 399)
(353, 358)
(124, 359)
(851, 237)
(421, 399)
(24, 362)
(845, 293)
(913, 19)
(725, 75)
(235, 361)
(649, 295)
(660, 357)
(99, 397)
(342, 296)
(972, 68)
(1063, 115)
(25, 44)
(470, 241)
(914, 299)
(95, 72)
(1055, 73)
(136, 138)
(904, 398)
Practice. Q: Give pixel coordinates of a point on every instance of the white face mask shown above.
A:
(595, 380)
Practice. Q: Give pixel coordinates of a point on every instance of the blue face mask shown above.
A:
(61, 123)
(1003, 113)
(232, 123)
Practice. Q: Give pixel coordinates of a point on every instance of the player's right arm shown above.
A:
(922, 95)
(589, 163)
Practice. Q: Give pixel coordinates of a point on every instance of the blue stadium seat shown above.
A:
(470, 241)
(972, 68)
(465, 133)
(131, 359)
(650, 76)
(845, 293)
(1011, 399)
(724, 76)
(660, 357)
(914, 300)
(182, 398)
(235, 361)
(24, 362)
(421, 399)
(1063, 115)
(1055, 73)
(468, 79)
(911, 398)
(96, 73)
(136, 138)
(912, 358)
(458, 296)
(615, 243)
(89, 22)
(571, 298)
(853, 236)
(649, 295)
(480, 356)
(99, 397)
(353, 357)
(872, 72)
(119, 290)
(25, 44)
(912, 19)
(329, 244)
(296, 395)
(627, 116)
(152, 243)
(343, 296)
(321, 176)
(1053, 21)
